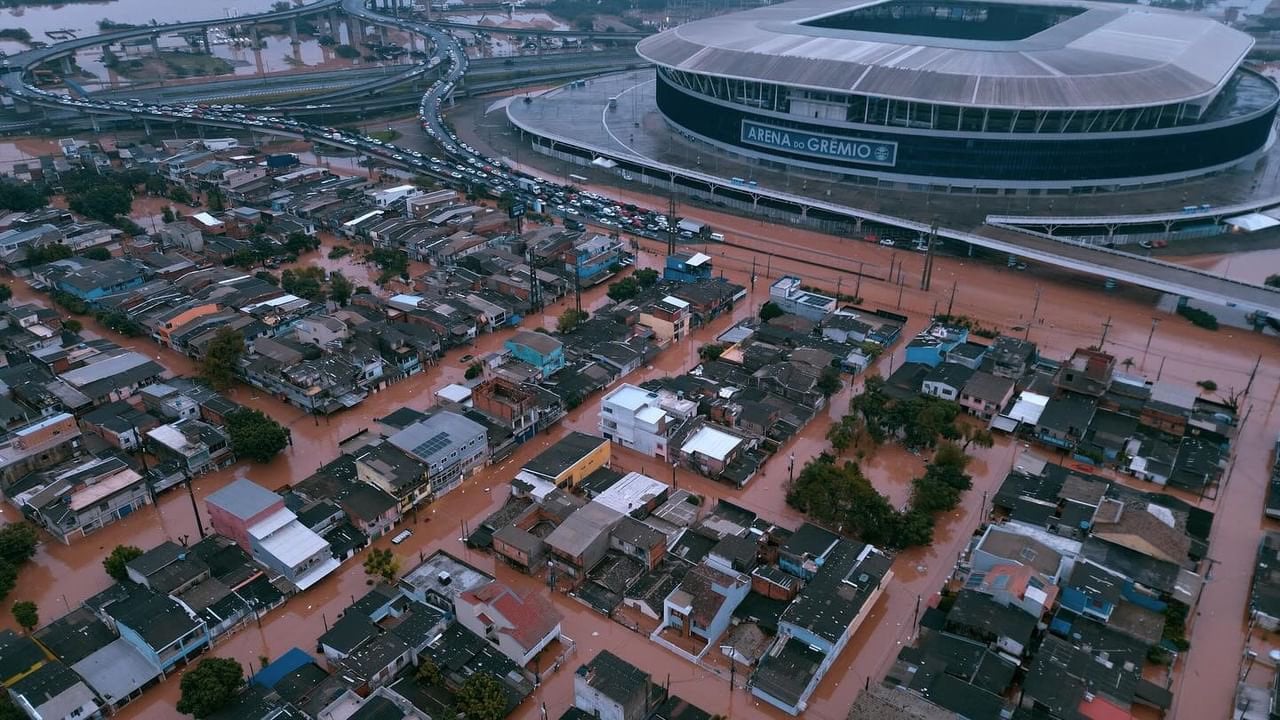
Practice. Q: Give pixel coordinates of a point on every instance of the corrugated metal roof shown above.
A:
(1109, 56)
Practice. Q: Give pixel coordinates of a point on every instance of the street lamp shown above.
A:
(791, 468)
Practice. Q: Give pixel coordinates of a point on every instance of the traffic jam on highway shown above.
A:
(462, 165)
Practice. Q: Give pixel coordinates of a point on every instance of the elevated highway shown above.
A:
(1115, 265)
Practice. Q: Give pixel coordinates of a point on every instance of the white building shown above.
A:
(520, 626)
(642, 420)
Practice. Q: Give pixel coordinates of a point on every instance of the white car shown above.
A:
(887, 242)
(401, 536)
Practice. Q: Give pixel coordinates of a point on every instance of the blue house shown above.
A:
(158, 627)
(1092, 591)
(688, 268)
(537, 349)
(592, 257)
(806, 550)
(98, 280)
(933, 344)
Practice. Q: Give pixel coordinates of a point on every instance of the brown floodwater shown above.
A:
(1074, 310)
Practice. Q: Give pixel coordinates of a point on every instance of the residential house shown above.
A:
(540, 350)
(804, 553)
(42, 444)
(84, 497)
(581, 541)
(451, 446)
(713, 451)
(1000, 546)
(932, 344)
(668, 318)
(639, 419)
(55, 692)
(685, 267)
(95, 281)
(946, 381)
(514, 406)
(985, 395)
(390, 469)
(610, 688)
(592, 257)
(440, 580)
(195, 445)
(114, 378)
(704, 602)
(1065, 420)
(980, 617)
(570, 459)
(1010, 357)
(520, 626)
(323, 330)
(1087, 372)
(1017, 586)
(257, 520)
(967, 354)
(788, 294)
(165, 631)
(19, 657)
(816, 626)
(638, 541)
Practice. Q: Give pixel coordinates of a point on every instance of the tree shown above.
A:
(166, 215)
(382, 563)
(18, 542)
(976, 435)
(26, 614)
(8, 577)
(474, 370)
(180, 194)
(267, 276)
(96, 253)
(115, 563)
(1272, 281)
(482, 697)
(18, 197)
(346, 52)
(214, 199)
(340, 288)
(647, 277)
(222, 358)
(42, 254)
(843, 433)
(72, 325)
(829, 381)
(711, 351)
(298, 243)
(256, 436)
(391, 262)
(6, 292)
(624, 289)
(102, 202)
(428, 672)
(9, 711)
(121, 323)
(210, 686)
(570, 319)
(770, 310)
(1208, 385)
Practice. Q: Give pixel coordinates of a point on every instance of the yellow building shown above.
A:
(19, 657)
(570, 460)
(668, 318)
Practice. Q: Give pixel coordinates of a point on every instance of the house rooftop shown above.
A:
(831, 601)
(244, 499)
(615, 678)
(564, 454)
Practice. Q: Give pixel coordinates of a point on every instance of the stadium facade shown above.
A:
(985, 94)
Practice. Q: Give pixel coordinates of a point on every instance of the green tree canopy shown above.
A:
(18, 542)
(6, 292)
(26, 614)
(104, 202)
(222, 358)
(382, 563)
(20, 197)
(115, 563)
(647, 277)
(340, 288)
(770, 310)
(96, 253)
(210, 686)
(41, 254)
(482, 697)
(571, 319)
(256, 436)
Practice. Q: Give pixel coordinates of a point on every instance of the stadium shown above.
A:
(953, 94)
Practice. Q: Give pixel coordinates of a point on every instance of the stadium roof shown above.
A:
(1106, 56)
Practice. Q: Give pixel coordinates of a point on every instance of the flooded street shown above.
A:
(62, 576)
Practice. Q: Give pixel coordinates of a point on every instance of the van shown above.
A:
(717, 237)
(401, 537)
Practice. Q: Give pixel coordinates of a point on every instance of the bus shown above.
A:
(577, 178)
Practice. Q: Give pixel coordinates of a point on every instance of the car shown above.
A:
(1145, 244)
(401, 536)
(466, 358)
(887, 242)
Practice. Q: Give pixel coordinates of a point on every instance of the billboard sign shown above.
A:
(871, 152)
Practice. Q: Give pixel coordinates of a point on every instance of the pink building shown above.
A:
(239, 506)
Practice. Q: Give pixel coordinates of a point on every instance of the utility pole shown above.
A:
(1106, 327)
(839, 283)
(1026, 334)
(857, 289)
(1154, 322)
(195, 509)
(1252, 375)
(535, 290)
(952, 301)
(753, 272)
(577, 283)
(926, 275)
(671, 218)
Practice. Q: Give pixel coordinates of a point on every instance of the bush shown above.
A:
(474, 370)
(770, 310)
(1208, 385)
(346, 52)
(338, 252)
(1199, 318)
